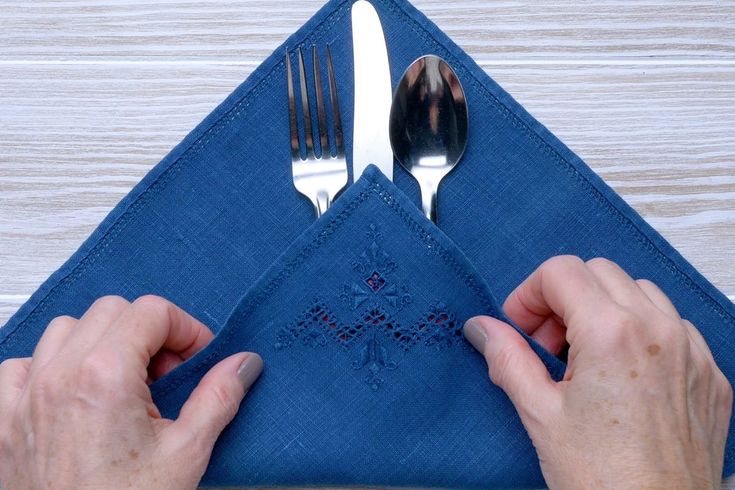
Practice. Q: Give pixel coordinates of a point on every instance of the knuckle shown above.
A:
(153, 305)
(602, 263)
(227, 402)
(622, 322)
(99, 373)
(622, 329)
(110, 302)
(727, 397)
(646, 283)
(678, 338)
(151, 301)
(725, 387)
(701, 365)
(8, 365)
(62, 321)
(502, 365)
(561, 263)
(670, 336)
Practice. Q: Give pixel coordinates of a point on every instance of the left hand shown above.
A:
(79, 413)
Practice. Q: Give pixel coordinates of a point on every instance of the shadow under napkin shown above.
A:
(368, 379)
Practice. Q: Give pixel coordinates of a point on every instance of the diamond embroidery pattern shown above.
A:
(313, 328)
(438, 328)
(379, 339)
(373, 281)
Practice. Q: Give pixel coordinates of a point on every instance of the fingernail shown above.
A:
(475, 334)
(249, 370)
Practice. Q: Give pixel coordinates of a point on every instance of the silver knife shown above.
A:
(373, 93)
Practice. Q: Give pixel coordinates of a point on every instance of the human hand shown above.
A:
(79, 413)
(642, 403)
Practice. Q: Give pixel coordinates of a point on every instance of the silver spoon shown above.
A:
(428, 125)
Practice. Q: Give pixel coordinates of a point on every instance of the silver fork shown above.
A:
(320, 177)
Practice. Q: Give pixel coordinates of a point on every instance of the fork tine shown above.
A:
(295, 151)
(338, 142)
(320, 178)
(305, 105)
(321, 115)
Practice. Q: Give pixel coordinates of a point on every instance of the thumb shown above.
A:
(215, 401)
(513, 366)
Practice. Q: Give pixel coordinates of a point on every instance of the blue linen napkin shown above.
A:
(369, 379)
(218, 212)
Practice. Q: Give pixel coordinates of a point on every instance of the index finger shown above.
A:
(152, 323)
(561, 286)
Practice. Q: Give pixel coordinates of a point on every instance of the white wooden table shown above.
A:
(93, 94)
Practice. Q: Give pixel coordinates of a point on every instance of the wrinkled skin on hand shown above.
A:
(642, 404)
(79, 413)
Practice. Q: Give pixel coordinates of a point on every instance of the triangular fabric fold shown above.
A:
(387, 379)
(220, 210)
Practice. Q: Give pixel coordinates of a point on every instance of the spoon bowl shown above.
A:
(428, 125)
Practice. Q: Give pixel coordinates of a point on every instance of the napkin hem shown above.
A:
(372, 184)
(234, 104)
(648, 239)
(164, 172)
(511, 110)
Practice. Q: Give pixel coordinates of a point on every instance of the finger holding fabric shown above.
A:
(642, 404)
(79, 413)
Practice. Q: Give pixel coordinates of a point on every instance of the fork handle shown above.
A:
(322, 203)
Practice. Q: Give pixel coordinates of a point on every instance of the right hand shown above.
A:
(642, 403)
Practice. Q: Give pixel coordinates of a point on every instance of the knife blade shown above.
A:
(373, 93)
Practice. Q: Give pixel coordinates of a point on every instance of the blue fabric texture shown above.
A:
(357, 315)
(369, 379)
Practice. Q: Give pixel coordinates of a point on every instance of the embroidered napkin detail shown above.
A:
(362, 354)
(371, 310)
(190, 232)
(373, 279)
(377, 294)
(377, 337)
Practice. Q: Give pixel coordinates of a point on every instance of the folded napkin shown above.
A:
(357, 315)
(369, 378)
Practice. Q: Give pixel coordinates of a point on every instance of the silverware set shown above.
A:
(424, 125)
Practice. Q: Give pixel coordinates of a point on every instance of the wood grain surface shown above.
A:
(93, 94)
(245, 31)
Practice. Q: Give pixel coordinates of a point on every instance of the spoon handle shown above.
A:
(428, 199)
